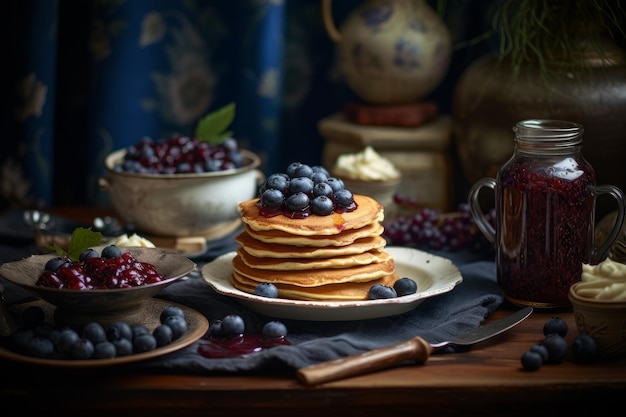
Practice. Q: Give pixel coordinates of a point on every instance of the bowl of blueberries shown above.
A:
(181, 187)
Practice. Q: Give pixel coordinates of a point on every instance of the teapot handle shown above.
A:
(329, 24)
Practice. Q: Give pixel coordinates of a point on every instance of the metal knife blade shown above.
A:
(416, 349)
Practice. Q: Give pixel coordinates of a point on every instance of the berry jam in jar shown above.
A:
(545, 199)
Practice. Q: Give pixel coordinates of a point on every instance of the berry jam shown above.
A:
(101, 273)
(545, 213)
(273, 211)
(546, 233)
(214, 347)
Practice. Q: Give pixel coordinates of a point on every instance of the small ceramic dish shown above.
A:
(605, 320)
(103, 305)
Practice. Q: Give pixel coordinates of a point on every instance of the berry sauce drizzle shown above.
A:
(214, 347)
(276, 211)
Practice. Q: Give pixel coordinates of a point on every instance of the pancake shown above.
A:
(367, 212)
(331, 292)
(274, 250)
(345, 238)
(300, 264)
(315, 277)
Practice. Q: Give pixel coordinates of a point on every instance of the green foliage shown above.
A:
(544, 32)
(213, 127)
(82, 239)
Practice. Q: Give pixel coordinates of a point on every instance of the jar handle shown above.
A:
(329, 25)
(599, 253)
(477, 213)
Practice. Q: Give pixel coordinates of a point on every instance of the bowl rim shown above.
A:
(189, 266)
(252, 161)
(592, 302)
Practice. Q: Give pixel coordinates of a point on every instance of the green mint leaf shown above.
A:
(81, 240)
(213, 127)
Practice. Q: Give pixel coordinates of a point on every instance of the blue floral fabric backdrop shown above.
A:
(87, 77)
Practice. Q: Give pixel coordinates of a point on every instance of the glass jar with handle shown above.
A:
(545, 198)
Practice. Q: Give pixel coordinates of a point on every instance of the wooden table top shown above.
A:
(486, 380)
(487, 377)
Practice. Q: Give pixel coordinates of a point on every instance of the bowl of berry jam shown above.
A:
(106, 283)
(182, 187)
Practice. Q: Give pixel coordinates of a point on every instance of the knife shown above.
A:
(416, 349)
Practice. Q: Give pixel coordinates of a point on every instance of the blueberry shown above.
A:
(276, 181)
(335, 183)
(273, 329)
(319, 177)
(139, 330)
(322, 188)
(380, 291)
(95, 332)
(291, 169)
(233, 325)
(300, 185)
(171, 311)
(83, 348)
(55, 264)
(104, 350)
(322, 205)
(303, 170)
(40, 347)
(266, 289)
(54, 336)
(123, 347)
(88, 254)
(66, 339)
(297, 202)
(557, 347)
(111, 251)
(178, 325)
(144, 343)
(541, 350)
(33, 316)
(555, 325)
(344, 198)
(163, 335)
(405, 286)
(531, 360)
(584, 348)
(318, 169)
(216, 328)
(119, 330)
(272, 198)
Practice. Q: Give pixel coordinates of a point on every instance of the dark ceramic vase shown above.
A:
(488, 100)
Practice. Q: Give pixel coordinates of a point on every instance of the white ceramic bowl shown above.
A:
(182, 205)
(381, 191)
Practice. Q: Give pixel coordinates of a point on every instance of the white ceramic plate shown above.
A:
(434, 275)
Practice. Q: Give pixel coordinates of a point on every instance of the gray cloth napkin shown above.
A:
(435, 319)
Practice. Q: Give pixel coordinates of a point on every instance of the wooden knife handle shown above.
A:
(416, 349)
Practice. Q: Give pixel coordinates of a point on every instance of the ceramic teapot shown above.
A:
(391, 51)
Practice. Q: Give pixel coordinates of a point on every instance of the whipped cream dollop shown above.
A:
(366, 165)
(604, 281)
(133, 240)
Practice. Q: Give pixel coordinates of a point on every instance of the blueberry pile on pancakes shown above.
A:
(311, 238)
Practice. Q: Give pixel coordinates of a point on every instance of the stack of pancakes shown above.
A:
(334, 258)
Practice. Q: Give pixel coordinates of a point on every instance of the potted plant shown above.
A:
(557, 59)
